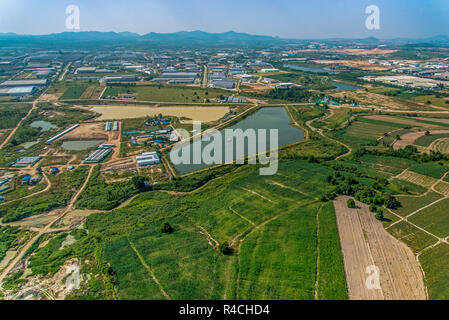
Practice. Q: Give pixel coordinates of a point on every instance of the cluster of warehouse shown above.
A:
(100, 154)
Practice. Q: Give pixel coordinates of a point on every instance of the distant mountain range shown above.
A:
(182, 38)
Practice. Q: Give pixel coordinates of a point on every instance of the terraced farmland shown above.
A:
(441, 145)
(443, 187)
(417, 178)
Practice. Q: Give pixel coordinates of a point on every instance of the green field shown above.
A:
(410, 204)
(365, 130)
(436, 268)
(277, 259)
(11, 114)
(416, 239)
(429, 169)
(73, 92)
(166, 93)
(426, 141)
(434, 219)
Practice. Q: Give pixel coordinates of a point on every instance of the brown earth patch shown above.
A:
(87, 131)
(366, 243)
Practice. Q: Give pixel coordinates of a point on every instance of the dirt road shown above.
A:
(11, 134)
(46, 229)
(366, 243)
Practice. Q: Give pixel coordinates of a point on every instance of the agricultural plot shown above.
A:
(410, 204)
(92, 92)
(364, 243)
(416, 239)
(429, 169)
(418, 179)
(11, 114)
(440, 145)
(427, 140)
(279, 260)
(434, 263)
(272, 228)
(367, 130)
(443, 187)
(434, 219)
(390, 165)
(184, 263)
(400, 120)
(73, 92)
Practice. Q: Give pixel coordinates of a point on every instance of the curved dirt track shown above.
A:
(364, 243)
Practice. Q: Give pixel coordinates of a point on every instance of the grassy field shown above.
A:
(429, 169)
(434, 219)
(73, 92)
(365, 130)
(389, 165)
(167, 94)
(410, 204)
(11, 114)
(426, 141)
(436, 268)
(331, 272)
(416, 239)
(276, 218)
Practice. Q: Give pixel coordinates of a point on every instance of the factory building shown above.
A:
(18, 91)
(125, 78)
(24, 83)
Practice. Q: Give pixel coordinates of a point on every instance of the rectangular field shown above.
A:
(366, 243)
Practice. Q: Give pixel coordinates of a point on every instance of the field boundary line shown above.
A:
(142, 261)
(243, 217)
(256, 194)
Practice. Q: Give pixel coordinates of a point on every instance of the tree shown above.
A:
(224, 248)
(139, 182)
(372, 208)
(351, 203)
(379, 214)
(167, 228)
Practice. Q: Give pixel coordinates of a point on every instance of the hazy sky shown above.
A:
(284, 18)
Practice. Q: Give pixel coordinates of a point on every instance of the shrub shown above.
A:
(351, 203)
(224, 249)
(379, 214)
(167, 228)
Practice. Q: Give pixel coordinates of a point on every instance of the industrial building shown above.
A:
(115, 128)
(24, 83)
(148, 159)
(124, 78)
(108, 126)
(18, 91)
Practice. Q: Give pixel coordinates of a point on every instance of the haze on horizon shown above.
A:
(283, 18)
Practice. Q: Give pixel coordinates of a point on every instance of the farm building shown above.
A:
(26, 179)
(26, 161)
(98, 155)
(148, 159)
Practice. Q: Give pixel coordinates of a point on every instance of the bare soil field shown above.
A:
(356, 52)
(411, 137)
(87, 131)
(204, 114)
(441, 120)
(365, 243)
(255, 87)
